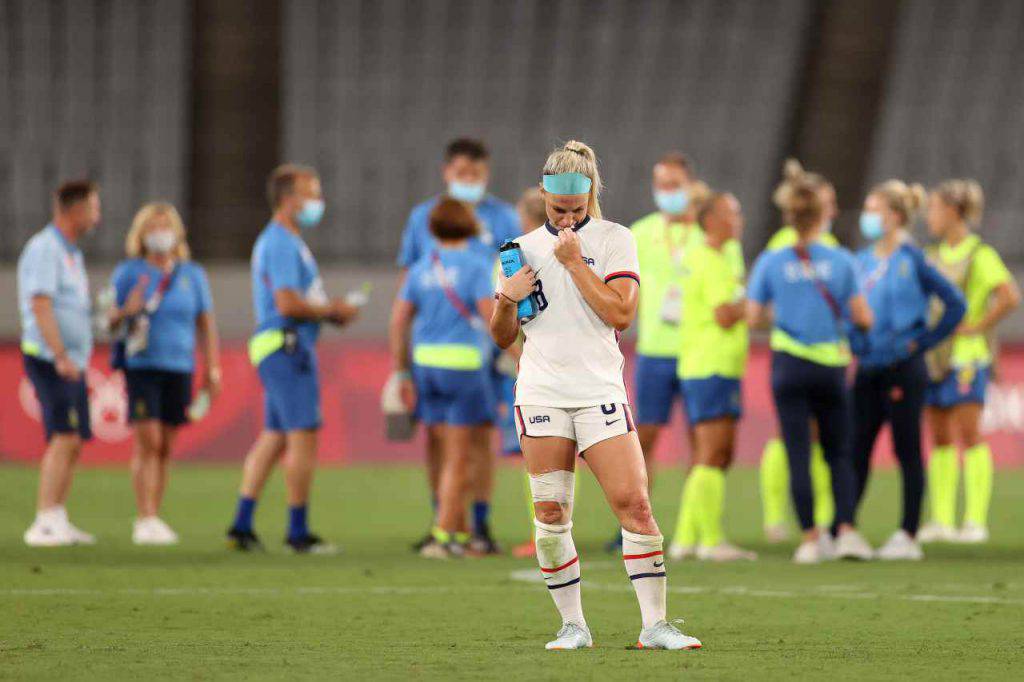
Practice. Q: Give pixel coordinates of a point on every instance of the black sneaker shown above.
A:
(243, 540)
(483, 544)
(310, 544)
(423, 542)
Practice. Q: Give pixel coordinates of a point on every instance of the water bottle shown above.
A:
(512, 262)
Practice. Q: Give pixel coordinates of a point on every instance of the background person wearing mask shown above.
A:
(960, 371)
(444, 302)
(164, 298)
(891, 375)
(774, 464)
(466, 172)
(56, 342)
(813, 293)
(715, 345)
(290, 304)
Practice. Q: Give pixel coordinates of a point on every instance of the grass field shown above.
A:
(199, 612)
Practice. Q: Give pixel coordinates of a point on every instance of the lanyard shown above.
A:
(161, 288)
(812, 274)
(453, 298)
(876, 275)
(676, 251)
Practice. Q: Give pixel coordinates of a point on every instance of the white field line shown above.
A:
(521, 576)
(820, 592)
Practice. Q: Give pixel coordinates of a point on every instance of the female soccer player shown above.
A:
(774, 467)
(713, 358)
(813, 291)
(444, 301)
(164, 300)
(960, 371)
(891, 375)
(570, 395)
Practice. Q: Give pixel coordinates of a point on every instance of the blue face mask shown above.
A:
(672, 203)
(310, 214)
(871, 225)
(470, 192)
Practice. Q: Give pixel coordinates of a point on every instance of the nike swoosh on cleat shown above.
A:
(657, 565)
(611, 422)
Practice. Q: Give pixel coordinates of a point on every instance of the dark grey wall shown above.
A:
(91, 88)
(954, 106)
(373, 89)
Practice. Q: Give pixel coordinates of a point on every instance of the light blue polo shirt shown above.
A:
(281, 260)
(499, 222)
(172, 328)
(52, 266)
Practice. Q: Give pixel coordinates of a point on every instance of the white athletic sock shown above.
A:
(645, 565)
(560, 566)
(52, 516)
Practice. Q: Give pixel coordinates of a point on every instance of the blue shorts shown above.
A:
(291, 387)
(453, 396)
(962, 386)
(64, 404)
(157, 394)
(712, 398)
(657, 388)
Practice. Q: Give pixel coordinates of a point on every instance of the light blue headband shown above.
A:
(567, 183)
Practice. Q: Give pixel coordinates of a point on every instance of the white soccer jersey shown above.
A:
(571, 358)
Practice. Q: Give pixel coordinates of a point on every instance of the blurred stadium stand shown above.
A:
(195, 100)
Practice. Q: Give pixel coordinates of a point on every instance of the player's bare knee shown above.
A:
(549, 513)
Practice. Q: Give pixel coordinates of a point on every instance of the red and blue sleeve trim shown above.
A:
(622, 273)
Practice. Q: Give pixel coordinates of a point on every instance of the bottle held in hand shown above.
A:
(512, 261)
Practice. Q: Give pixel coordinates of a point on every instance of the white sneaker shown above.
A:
(45, 533)
(972, 534)
(153, 531)
(900, 547)
(677, 552)
(723, 551)
(936, 532)
(809, 552)
(80, 536)
(826, 546)
(777, 533)
(571, 636)
(665, 635)
(852, 545)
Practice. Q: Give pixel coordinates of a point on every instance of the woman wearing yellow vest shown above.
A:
(774, 463)
(960, 370)
(714, 343)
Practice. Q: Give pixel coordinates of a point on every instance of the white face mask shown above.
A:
(160, 241)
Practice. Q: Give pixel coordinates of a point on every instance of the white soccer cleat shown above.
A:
(153, 531)
(80, 536)
(571, 636)
(665, 635)
(723, 551)
(826, 546)
(777, 533)
(43, 533)
(972, 534)
(936, 532)
(900, 547)
(809, 552)
(678, 552)
(851, 545)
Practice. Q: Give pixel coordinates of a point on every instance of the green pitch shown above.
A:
(200, 612)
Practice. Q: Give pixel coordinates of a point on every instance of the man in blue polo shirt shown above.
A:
(466, 172)
(56, 341)
(290, 304)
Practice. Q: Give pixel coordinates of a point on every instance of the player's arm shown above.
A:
(42, 310)
(505, 318)
(759, 315)
(615, 302)
(402, 312)
(728, 314)
(1005, 299)
(290, 303)
(206, 329)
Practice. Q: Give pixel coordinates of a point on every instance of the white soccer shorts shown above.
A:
(585, 425)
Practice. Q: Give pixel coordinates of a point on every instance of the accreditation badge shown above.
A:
(672, 306)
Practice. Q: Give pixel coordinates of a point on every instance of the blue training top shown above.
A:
(442, 334)
(899, 289)
(52, 266)
(281, 260)
(172, 327)
(804, 322)
(499, 222)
